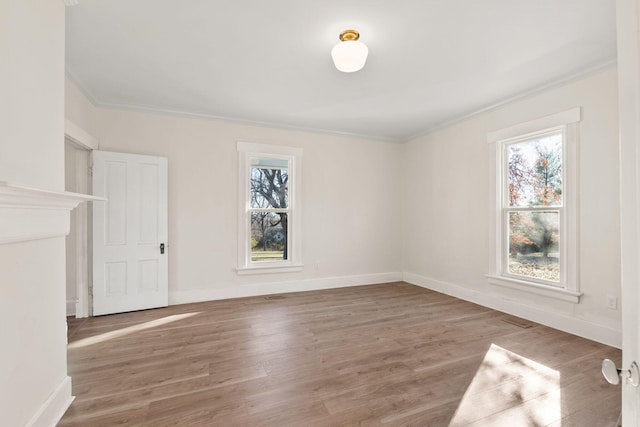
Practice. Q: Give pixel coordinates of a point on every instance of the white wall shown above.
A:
(33, 371)
(79, 110)
(351, 225)
(447, 209)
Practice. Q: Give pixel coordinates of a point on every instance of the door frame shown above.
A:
(628, 39)
(84, 141)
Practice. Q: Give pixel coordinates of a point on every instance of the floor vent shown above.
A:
(521, 323)
(271, 297)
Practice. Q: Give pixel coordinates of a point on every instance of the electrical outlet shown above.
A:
(612, 302)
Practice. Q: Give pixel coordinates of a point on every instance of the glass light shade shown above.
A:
(349, 56)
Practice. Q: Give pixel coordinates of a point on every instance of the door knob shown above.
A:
(613, 374)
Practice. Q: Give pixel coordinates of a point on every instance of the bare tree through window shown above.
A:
(269, 210)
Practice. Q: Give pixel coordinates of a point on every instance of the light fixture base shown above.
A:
(349, 35)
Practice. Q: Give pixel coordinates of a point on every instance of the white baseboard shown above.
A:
(55, 406)
(256, 289)
(71, 307)
(580, 327)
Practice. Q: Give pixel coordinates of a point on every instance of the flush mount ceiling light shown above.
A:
(350, 54)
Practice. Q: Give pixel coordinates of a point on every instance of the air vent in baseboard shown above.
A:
(521, 323)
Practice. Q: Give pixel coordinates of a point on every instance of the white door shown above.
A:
(130, 269)
(628, 17)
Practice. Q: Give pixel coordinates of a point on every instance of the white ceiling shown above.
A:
(268, 62)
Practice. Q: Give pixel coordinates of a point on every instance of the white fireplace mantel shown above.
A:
(28, 213)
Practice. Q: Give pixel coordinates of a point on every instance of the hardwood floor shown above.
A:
(381, 355)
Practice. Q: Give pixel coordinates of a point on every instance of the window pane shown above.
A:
(535, 172)
(269, 240)
(269, 187)
(533, 244)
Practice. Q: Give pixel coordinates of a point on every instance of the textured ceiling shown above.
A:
(268, 62)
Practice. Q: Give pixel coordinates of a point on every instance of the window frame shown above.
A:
(566, 122)
(247, 151)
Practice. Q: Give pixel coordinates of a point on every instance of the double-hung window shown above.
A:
(269, 220)
(535, 198)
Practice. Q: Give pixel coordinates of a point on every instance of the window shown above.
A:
(269, 209)
(269, 223)
(535, 199)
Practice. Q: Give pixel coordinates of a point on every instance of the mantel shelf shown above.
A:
(28, 213)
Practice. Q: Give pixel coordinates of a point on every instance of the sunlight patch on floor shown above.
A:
(510, 390)
(129, 330)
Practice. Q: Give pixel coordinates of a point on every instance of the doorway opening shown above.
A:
(78, 241)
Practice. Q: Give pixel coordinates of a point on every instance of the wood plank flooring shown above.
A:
(380, 355)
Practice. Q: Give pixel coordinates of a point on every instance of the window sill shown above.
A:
(535, 288)
(242, 271)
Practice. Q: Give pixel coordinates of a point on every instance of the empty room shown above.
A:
(297, 213)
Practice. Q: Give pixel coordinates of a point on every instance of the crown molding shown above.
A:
(611, 62)
(608, 63)
(241, 121)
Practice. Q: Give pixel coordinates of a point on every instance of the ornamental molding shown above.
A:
(28, 213)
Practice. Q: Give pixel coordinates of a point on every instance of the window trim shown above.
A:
(568, 288)
(293, 155)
